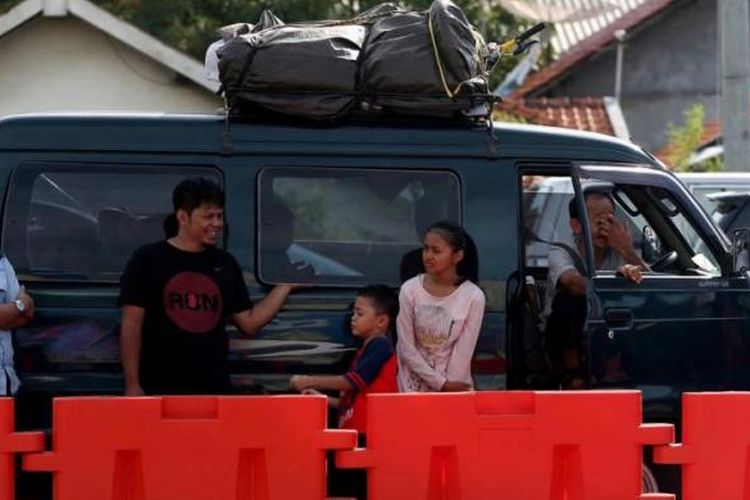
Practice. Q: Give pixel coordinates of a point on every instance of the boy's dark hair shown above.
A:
(384, 301)
(192, 193)
(458, 239)
(573, 205)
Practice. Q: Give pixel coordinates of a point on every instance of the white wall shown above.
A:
(64, 64)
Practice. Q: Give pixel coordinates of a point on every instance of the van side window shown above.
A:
(336, 226)
(82, 223)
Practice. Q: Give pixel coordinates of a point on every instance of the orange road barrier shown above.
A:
(510, 445)
(11, 443)
(190, 448)
(715, 451)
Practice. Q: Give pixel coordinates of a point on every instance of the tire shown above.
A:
(648, 481)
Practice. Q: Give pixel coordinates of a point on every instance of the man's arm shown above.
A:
(130, 348)
(250, 321)
(573, 282)
(621, 242)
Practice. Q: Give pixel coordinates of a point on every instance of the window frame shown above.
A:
(20, 190)
(267, 174)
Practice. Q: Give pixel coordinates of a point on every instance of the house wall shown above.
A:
(64, 64)
(669, 65)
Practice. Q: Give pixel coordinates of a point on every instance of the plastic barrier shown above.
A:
(510, 445)
(12, 443)
(190, 448)
(715, 448)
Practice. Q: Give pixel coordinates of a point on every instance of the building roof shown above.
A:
(113, 26)
(574, 20)
(593, 114)
(591, 46)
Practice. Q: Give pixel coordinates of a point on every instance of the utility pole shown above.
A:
(620, 36)
(735, 83)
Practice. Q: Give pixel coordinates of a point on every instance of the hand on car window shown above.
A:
(631, 272)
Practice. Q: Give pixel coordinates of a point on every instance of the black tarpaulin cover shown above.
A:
(384, 60)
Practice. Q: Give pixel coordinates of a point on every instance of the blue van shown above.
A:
(343, 204)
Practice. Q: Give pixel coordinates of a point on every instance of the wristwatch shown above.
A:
(20, 305)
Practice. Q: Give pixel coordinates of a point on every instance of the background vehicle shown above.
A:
(731, 210)
(709, 189)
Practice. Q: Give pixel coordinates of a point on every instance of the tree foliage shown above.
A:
(190, 25)
(685, 140)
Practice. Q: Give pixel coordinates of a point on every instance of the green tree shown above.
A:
(684, 141)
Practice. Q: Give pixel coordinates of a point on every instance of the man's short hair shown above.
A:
(573, 205)
(192, 193)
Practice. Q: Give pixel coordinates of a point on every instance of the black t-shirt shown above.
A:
(187, 297)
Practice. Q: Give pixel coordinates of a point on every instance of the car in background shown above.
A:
(705, 185)
(731, 210)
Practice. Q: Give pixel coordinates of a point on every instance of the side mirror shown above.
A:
(741, 251)
(651, 248)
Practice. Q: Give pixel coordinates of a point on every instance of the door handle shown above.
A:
(619, 318)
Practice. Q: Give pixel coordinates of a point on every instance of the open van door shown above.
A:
(686, 326)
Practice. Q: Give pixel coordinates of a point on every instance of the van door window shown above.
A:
(545, 215)
(347, 226)
(83, 222)
(662, 233)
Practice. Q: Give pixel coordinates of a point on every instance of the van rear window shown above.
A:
(333, 226)
(82, 222)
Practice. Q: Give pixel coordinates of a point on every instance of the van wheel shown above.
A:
(648, 481)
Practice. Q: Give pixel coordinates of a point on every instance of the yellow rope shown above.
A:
(437, 57)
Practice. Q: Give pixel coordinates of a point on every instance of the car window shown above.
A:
(666, 235)
(347, 226)
(83, 222)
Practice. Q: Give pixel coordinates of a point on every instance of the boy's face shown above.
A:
(366, 321)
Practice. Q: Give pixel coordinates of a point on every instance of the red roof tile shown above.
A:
(590, 46)
(584, 113)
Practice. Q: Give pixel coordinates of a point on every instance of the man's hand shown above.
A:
(631, 272)
(618, 235)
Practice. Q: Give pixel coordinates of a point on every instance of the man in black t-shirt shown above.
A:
(176, 297)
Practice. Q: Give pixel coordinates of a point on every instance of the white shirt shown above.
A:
(9, 289)
(560, 262)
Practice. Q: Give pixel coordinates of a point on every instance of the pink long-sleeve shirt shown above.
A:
(437, 335)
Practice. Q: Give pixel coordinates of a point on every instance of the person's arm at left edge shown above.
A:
(11, 316)
(19, 311)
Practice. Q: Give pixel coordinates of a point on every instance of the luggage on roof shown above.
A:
(432, 63)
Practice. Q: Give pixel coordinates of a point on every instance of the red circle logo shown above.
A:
(193, 302)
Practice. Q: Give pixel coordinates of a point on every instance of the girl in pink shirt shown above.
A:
(440, 315)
